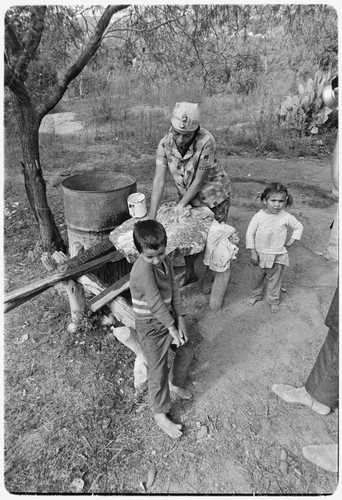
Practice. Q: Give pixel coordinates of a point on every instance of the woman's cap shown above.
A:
(185, 117)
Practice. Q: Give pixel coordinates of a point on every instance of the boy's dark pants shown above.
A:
(155, 342)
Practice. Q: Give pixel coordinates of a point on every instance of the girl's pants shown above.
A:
(273, 276)
(155, 341)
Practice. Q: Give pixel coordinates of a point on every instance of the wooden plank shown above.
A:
(17, 297)
(109, 293)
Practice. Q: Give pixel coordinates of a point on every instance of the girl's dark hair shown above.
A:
(275, 187)
(149, 235)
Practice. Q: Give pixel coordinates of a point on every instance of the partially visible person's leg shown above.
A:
(299, 395)
(322, 383)
(320, 392)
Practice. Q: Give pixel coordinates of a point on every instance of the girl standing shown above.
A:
(267, 238)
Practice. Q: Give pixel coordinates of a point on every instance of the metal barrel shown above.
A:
(94, 204)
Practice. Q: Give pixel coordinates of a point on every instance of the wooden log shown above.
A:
(129, 337)
(73, 290)
(77, 300)
(92, 284)
(21, 295)
(109, 293)
(119, 306)
(123, 311)
(218, 289)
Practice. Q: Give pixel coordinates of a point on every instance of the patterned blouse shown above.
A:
(200, 155)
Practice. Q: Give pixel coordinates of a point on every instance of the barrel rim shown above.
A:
(91, 174)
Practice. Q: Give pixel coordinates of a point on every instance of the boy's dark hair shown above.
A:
(149, 235)
(276, 187)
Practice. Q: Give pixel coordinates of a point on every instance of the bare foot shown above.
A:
(252, 301)
(173, 430)
(182, 393)
(275, 308)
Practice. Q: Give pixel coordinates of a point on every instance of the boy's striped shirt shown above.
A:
(155, 293)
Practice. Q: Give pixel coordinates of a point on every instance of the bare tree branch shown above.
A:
(75, 69)
(32, 40)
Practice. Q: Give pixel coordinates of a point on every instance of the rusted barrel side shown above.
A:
(94, 204)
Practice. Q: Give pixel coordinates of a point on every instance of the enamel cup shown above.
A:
(137, 205)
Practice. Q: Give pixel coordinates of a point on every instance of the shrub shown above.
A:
(306, 112)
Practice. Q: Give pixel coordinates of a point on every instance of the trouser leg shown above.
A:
(322, 383)
(155, 342)
(274, 278)
(180, 366)
(258, 278)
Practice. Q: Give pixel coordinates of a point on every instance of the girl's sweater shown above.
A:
(155, 292)
(267, 233)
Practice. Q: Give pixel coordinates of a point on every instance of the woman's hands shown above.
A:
(180, 212)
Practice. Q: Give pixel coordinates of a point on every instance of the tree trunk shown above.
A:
(34, 181)
(22, 51)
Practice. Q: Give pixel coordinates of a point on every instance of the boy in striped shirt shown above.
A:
(159, 320)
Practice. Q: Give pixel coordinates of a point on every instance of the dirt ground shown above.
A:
(244, 350)
(235, 427)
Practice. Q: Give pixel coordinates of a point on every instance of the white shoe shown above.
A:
(323, 455)
(299, 395)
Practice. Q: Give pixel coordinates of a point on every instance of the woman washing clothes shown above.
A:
(189, 153)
